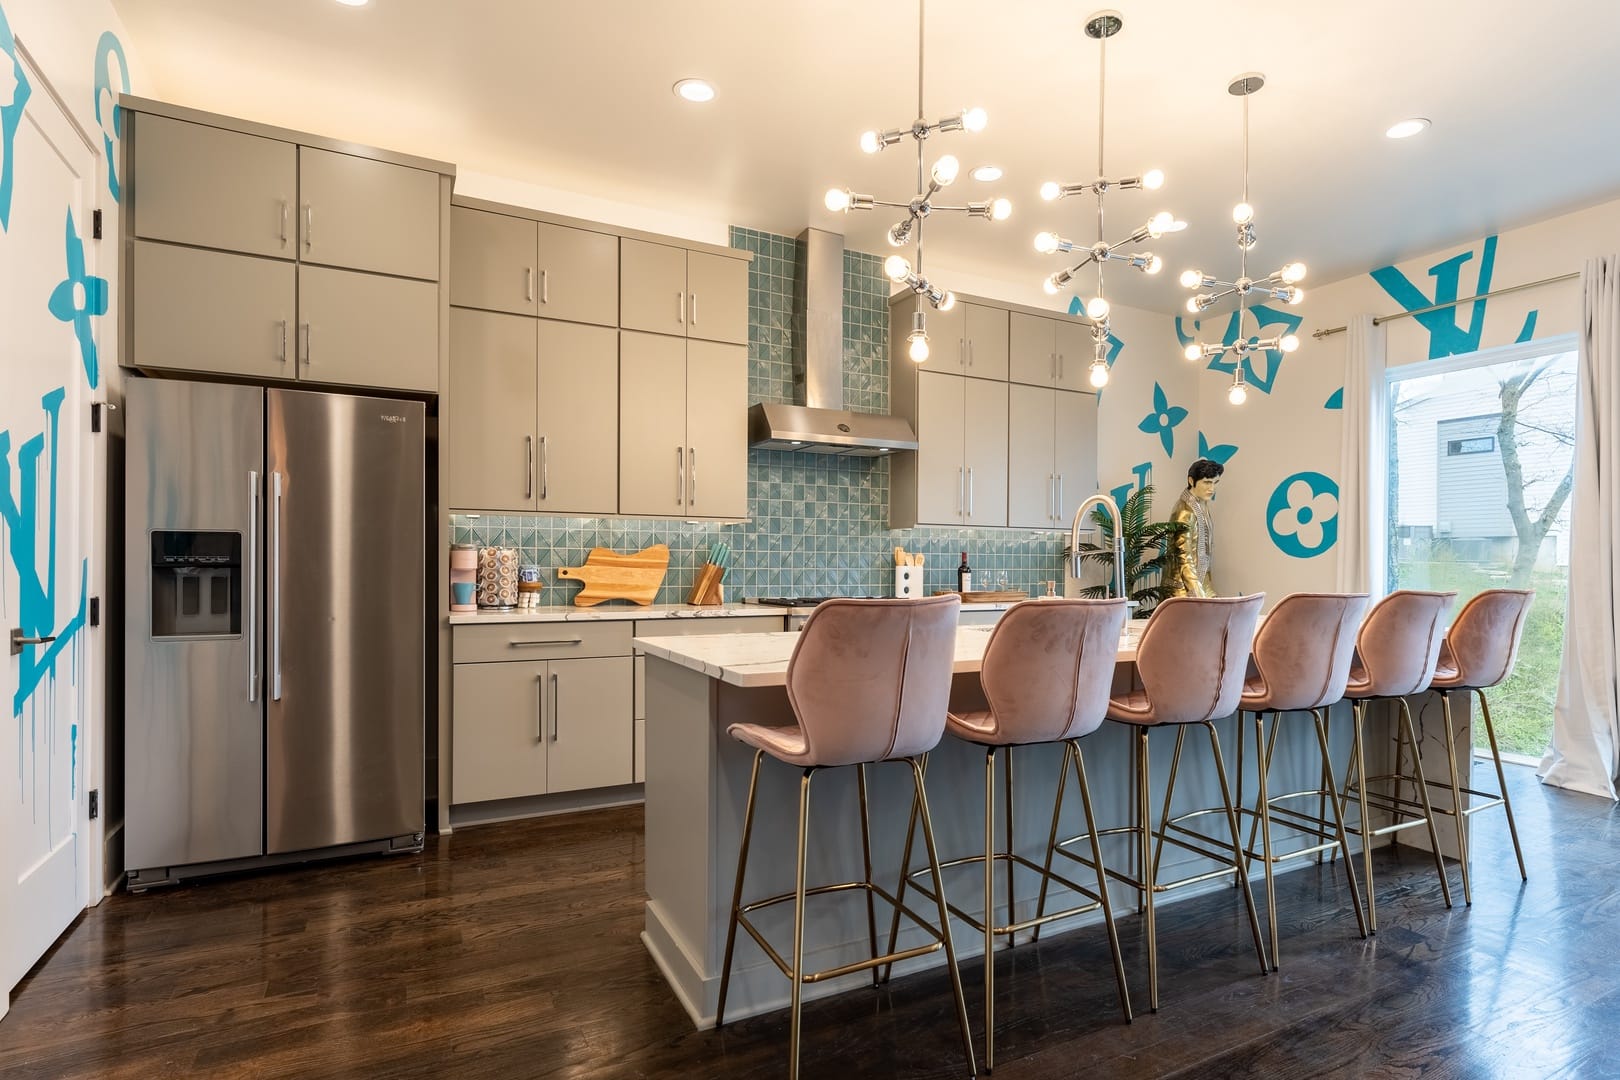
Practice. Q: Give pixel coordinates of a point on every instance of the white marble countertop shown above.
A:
(620, 612)
(762, 659)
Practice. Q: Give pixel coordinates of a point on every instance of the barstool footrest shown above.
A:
(846, 969)
(1001, 857)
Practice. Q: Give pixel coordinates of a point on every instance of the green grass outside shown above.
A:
(1522, 707)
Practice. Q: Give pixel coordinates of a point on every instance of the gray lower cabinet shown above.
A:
(231, 191)
(1051, 455)
(494, 372)
(683, 438)
(588, 727)
(669, 290)
(577, 427)
(365, 214)
(367, 330)
(199, 310)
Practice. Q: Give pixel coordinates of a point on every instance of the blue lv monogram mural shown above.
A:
(1143, 474)
(1163, 420)
(78, 298)
(109, 115)
(1264, 376)
(20, 513)
(14, 91)
(1446, 336)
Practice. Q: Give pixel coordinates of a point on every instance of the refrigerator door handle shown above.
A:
(253, 585)
(275, 586)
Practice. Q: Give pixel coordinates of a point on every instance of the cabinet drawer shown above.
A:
(539, 641)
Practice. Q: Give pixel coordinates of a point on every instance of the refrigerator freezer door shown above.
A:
(194, 747)
(346, 619)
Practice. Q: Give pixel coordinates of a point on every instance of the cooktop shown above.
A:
(806, 601)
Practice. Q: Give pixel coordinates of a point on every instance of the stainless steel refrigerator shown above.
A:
(276, 626)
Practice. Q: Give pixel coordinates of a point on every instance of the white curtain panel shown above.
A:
(1585, 754)
(1363, 457)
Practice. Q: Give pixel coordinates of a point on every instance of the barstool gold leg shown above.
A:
(1456, 797)
(990, 907)
(736, 893)
(1012, 903)
(1237, 846)
(1423, 796)
(1265, 831)
(1501, 780)
(1146, 853)
(1238, 775)
(1051, 839)
(798, 926)
(1359, 763)
(944, 913)
(1138, 825)
(1338, 818)
(1326, 720)
(1102, 878)
(866, 861)
(905, 876)
(1169, 792)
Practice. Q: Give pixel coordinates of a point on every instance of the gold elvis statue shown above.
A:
(1195, 546)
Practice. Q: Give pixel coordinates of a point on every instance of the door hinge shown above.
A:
(95, 803)
(95, 611)
(95, 417)
(95, 225)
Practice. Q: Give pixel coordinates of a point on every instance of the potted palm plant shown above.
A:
(1149, 550)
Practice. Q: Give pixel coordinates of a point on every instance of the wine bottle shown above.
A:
(964, 576)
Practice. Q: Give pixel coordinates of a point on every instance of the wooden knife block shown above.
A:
(706, 589)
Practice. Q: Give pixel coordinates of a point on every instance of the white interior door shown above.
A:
(50, 297)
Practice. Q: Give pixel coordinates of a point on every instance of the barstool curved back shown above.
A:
(1399, 644)
(1193, 656)
(870, 680)
(1048, 668)
(1302, 651)
(1483, 643)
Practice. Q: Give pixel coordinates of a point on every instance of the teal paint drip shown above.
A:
(14, 93)
(1446, 337)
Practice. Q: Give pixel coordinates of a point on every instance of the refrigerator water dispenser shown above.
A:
(196, 584)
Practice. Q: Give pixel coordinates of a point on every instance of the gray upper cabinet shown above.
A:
(1032, 350)
(367, 330)
(985, 341)
(1071, 342)
(717, 429)
(577, 433)
(947, 334)
(669, 290)
(365, 214)
(578, 275)
(1051, 455)
(652, 425)
(492, 261)
(985, 452)
(1076, 442)
(194, 184)
(199, 310)
(490, 461)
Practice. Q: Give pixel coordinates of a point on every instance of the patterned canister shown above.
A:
(497, 578)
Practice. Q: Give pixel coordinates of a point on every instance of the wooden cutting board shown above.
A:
(1008, 597)
(608, 575)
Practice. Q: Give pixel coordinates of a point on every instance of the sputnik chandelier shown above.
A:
(1102, 26)
(1278, 285)
(909, 229)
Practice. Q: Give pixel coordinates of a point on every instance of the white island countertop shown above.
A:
(620, 612)
(751, 660)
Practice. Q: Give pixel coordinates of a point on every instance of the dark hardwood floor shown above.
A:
(511, 951)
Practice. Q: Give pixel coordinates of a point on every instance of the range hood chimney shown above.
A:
(817, 422)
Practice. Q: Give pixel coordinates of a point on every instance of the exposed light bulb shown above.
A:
(1296, 295)
(1193, 305)
(837, 200)
(1160, 223)
(1242, 213)
(870, 142)
(918, 350)
(1191, 279)
(1051, 285)
(1099, 374)
(1153, 179)
(1193, 352)
(1051, 190)
(1294, 271)
(1046, 243)
(899, 233)
(1097, 308)
(974, 119)
(947, 302)
(896, 267)
(1237, 394)
(1289, 343)
(1000, 209)
(945, 170)
(1154, 265)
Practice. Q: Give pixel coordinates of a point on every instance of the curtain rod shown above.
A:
(1380, 320)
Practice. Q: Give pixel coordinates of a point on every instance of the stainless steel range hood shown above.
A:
(818, 423)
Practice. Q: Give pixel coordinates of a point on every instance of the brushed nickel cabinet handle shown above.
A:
(680, 308)
(554, 720)
(528, 466)
(540, 708)
(680, 476)
(691, 464)
(309, 226)
(308, 334)
(545, 287)
(694, 309)
(545, 481)
(543, 641)
(970, 491)
(281, 356)
(528, 283)
(1059, 514)
(283, 222)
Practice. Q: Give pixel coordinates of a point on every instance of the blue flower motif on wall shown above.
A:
(14, 91)
(1259, 368)
(1220, 453)
(78, 298)
(109, 114)
(1335, 400)
(1163, 420)
(1303, 515)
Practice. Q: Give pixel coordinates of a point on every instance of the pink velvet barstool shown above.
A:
(1046, 674)
(1478, 653)
(1301, 663)
(869, 682)
(1192, 658)
(1396, 652)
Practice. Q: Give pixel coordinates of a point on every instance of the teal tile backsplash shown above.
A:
(817, 521)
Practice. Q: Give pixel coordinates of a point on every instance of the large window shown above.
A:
(1480, 453)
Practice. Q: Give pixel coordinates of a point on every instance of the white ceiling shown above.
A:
(576, 96)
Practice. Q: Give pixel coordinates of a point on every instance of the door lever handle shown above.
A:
(18, 641)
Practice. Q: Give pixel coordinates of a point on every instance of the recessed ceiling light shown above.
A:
(1407, 128)
(694, 90)
(987, 173)
(354, 3)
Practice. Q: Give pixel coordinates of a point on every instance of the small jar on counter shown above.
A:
(529, 594)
